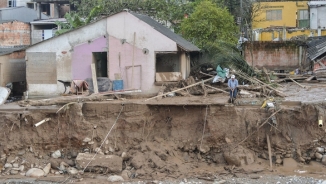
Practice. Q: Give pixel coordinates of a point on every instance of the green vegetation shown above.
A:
(208, 24)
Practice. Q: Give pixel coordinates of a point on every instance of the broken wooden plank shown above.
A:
(266, 75)
(297, 83)
(180, 89)
(310, 78)
(216, 89)
(94, 78)
(269, 152)
(168, 76)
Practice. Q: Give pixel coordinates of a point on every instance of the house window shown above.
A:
(273, 14)
(12, 3)
(303, 18)
(168, 67)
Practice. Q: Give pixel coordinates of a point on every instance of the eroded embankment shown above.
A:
(162, 141)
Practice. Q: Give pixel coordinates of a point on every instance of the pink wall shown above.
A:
(126, 58)
(82, 57)
(125, 26)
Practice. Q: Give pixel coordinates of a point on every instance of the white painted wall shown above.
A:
(63, 47)
(22, 2)
(317, 14)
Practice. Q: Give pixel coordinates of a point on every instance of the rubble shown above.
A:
(112, 163)
(35, 172)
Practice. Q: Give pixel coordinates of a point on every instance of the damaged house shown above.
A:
(126, 45)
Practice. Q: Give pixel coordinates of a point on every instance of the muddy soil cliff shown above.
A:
(161, 141)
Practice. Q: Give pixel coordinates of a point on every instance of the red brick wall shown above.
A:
(317, 65)
(18, 55)
(14, 33)
(3, 3)
(273, 55)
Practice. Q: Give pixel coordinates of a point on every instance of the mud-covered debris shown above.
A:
(125, 174)
(289, 163)
(72, 171)
(318, 155)
(112, 163)
(46, 169)
(115, 178)
(13, 172)
(320, 150)
(87, 139)
(56, 154)
(239, 156)
(8, 165)
(35, 172)
(323, 160)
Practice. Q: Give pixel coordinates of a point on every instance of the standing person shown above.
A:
(233, 84)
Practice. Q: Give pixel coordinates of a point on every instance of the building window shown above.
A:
(273, 14)
(303, 18)
(12, 3)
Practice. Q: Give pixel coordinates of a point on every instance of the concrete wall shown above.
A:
(22, 2)
(22, 14)
(14, 33)
(63, 47)
(82, 57)
(272, 34)
(123, 26)
(273, 55)
(318, 17)
(12, 68)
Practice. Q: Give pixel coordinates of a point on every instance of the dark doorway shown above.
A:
(168, 62)
(101, 63)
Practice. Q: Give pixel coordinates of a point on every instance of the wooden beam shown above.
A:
(94, 78)
(297, 83)
(269, 152)
(180, 89)
(217, 89)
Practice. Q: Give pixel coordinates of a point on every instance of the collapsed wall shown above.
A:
(156, 141)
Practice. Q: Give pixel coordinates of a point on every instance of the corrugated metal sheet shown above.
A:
(5, 51)
(316, 47)
(22, 14)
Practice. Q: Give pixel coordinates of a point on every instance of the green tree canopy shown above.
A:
(208, 24)
(163, 10)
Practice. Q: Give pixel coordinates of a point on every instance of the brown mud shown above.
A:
(167, 141)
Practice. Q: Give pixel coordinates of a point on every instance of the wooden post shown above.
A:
(94, 78)
(133, 60)
(269, 152)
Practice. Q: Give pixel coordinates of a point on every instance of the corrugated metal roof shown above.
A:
(181, 42)
(5, 51)
(22, 14)
(316, 47)
(5, 21)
